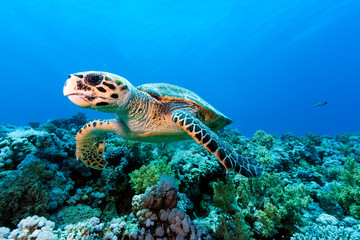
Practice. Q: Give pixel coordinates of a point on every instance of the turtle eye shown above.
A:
(93, 79)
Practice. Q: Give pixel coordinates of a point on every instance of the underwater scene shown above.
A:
(217, 119)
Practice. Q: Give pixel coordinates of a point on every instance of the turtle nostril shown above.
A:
(93, 79)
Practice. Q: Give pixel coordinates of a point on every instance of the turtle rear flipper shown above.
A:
(229, 157)
(90, 141)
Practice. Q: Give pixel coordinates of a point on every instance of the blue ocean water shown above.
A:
(262, 63)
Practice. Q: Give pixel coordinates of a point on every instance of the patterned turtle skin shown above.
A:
(155, 112)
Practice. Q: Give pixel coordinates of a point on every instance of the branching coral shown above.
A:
(34, 228)
(264, 139)
(158, 216)
(224, 196)
(269, 219)
(265, 202)
(264, 157)
(149, 175)
(232, 224)
(348, 193)
(233, 227)
(195, 168)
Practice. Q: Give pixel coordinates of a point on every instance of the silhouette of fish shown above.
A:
(320, 104)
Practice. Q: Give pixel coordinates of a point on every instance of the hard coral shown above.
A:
(87, 229)
(158, 216)
(264, 139)
(195, 168)
(34, 227)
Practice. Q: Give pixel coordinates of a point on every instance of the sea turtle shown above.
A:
(155, 112)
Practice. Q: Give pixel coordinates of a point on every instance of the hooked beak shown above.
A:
(78, 97)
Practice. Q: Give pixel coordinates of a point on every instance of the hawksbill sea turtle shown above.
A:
(154, 112)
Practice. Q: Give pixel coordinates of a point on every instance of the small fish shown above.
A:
(320, 104)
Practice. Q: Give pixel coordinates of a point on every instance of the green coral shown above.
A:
(351, 174)
(264, 139)
(348, 193)
(264, 156)
(253, 191)
(355, 210)
(293, 199)
(224, 196)
(266, 203)
(149, 175)
(232, 225)
(233, 228)
(269, 219)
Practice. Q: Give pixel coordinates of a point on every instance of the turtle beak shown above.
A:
(75, 95)
(69, 86)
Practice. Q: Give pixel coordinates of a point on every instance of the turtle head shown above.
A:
(101, 91)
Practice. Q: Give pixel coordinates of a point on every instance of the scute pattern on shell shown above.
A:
(165, 92)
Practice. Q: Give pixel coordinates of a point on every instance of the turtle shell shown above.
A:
(165, 92)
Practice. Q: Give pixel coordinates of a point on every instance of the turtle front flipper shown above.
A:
(90, 152)
(229, 157)
(90, 142)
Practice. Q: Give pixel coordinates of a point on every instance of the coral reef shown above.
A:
(177, 190)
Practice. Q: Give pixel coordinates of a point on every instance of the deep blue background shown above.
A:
(262, 63)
